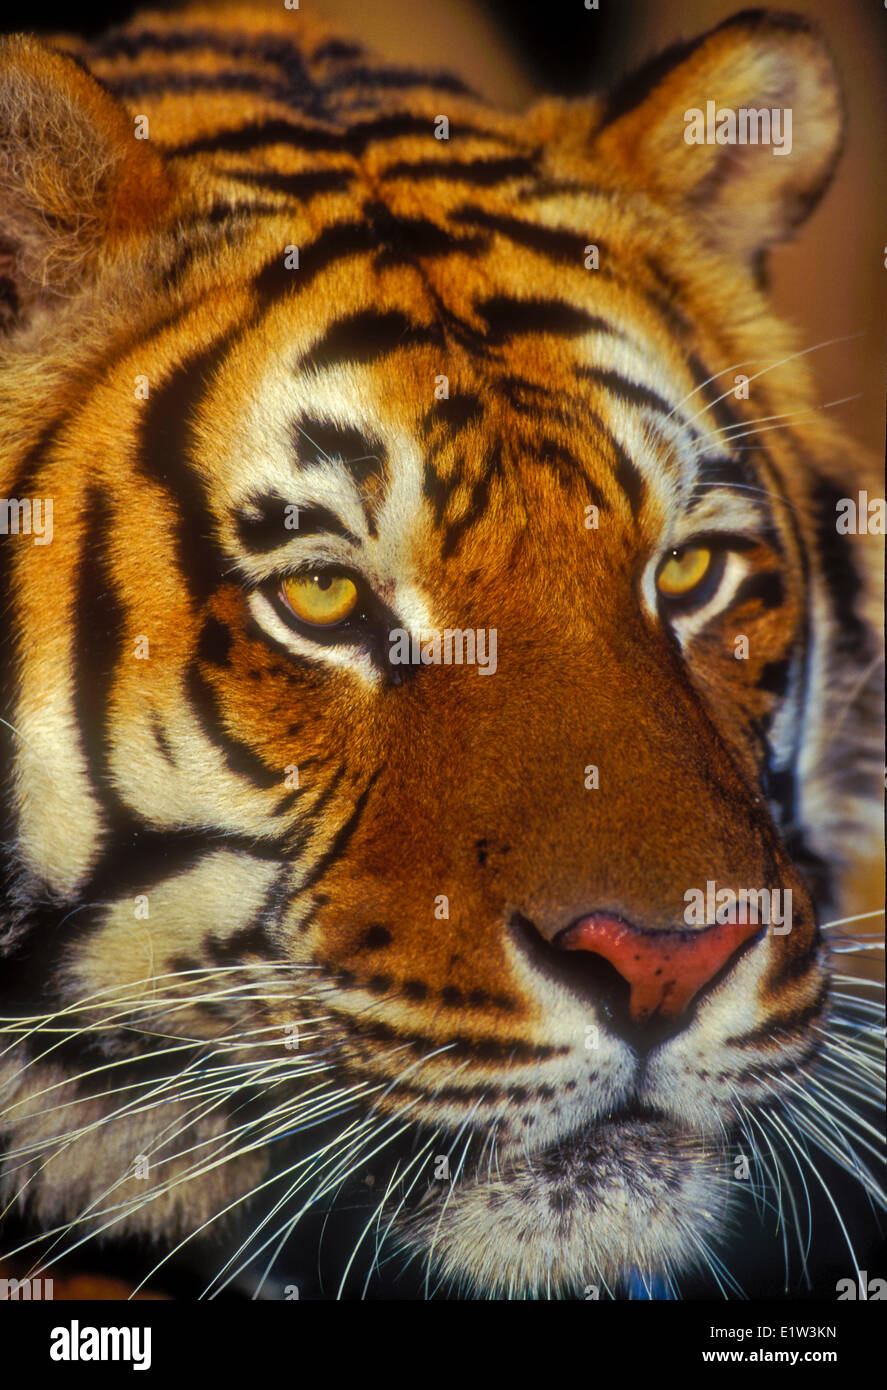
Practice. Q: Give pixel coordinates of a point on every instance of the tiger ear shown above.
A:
(744, 196)
(75, 183)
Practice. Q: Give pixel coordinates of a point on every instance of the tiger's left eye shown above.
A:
(684, 571)
(320, 598)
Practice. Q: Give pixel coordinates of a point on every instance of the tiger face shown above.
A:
(440, 719)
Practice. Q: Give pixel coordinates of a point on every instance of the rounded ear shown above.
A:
(75, 183)
(741, 128)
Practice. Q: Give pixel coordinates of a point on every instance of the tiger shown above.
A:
(431, 803)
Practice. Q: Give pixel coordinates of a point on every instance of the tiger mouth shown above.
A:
(643, 1129)
(628, 1114)
(632, 1192)
(631, 1137)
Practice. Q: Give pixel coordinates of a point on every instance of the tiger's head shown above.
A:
(446, 705)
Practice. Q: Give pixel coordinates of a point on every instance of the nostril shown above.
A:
(666, 968)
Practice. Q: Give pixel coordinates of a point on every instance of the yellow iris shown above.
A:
(684, 570)
(320, 598)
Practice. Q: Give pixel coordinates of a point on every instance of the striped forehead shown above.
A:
(317, 461)
(344, 422)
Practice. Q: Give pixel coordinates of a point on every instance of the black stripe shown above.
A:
(643, 397)
(667, 297)
(506, 317)
(482, 173)
(231, 950)
(302, 187)
(276, 900)
(836, 566)
(629, 477)
(141, 857)
(469, 1048)
(479, 500)
(556, 455)
(779, 786)
(269, 48)
(336, 51)
(265, 532)
(254, 135)
(354, 139)
(164, 455)
(214, 642)
(287, 801)
(336, 243)
(766, 587)
(369, 336)
(161, 739)
(634, 89)
(726, 473)
(792, 966)
(464, 334)
(438, 489)
(393, 241)
(286, 55)
(454, 412)
(240, 757)
(626, 472)
(781, 1024)
(563, 246)
(177, 82)
(341, 838)
(310, 819)
(98, 626)
(402, 239)
(233, 221)
(545, 188)
(526, 397)
(716, 401)
(315, 439)
(774, 677)
(395, 79)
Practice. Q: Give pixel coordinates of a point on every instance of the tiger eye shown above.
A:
(320, 598)
(684, 571)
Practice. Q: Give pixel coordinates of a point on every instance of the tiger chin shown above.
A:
(301, 352)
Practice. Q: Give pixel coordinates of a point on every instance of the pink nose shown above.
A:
(665, 969)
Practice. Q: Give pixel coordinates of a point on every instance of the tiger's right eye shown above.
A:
(321, 598)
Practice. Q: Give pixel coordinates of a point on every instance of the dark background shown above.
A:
(566, 48)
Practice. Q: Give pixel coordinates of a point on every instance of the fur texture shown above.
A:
(207, 951)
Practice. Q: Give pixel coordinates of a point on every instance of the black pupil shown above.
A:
(323, 581)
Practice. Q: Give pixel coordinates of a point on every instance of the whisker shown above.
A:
(783, 361)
